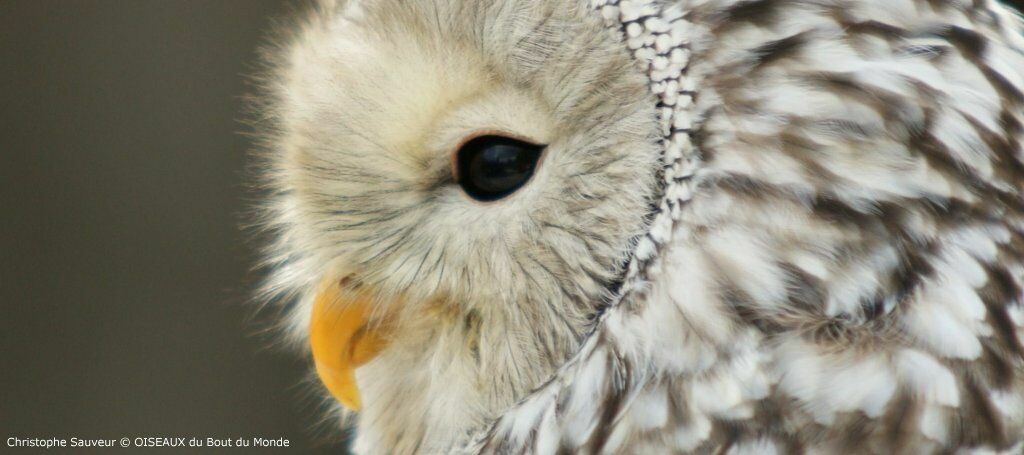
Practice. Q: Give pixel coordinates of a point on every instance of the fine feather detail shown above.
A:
(851, 258)
(798, 223)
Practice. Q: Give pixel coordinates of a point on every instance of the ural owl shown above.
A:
(653, 226)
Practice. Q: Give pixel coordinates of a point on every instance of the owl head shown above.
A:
(456, 187)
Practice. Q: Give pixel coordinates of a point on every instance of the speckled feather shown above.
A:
(832, 261)
(844, 272)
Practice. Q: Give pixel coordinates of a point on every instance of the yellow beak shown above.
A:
(341, 341)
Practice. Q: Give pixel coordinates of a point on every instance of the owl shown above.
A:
(653, 226)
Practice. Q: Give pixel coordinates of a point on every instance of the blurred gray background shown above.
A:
(124, 276)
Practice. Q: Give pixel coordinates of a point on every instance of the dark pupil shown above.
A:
(492, 167)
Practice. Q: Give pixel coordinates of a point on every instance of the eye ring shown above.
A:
(492, 165)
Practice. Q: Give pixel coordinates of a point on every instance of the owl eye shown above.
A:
(492, 167)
